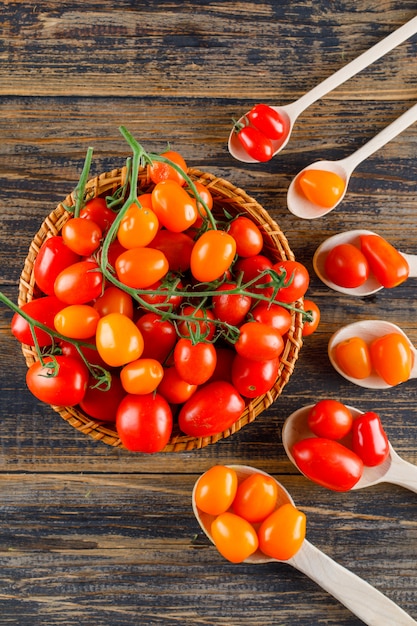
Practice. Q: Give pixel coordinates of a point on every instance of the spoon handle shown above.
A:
(402, 473)
(363, 600)
(412, 264)
(387, 134)
(357, 65)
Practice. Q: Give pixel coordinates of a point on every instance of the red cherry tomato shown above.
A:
(64, 385)
(102, 403)
(81, 235)
(256, 497)
(215, 490)
(310, 327)
(392, 358)
(42, 310)
(273, 314)
(234, 537)
(282, 534)
(97, 210)
(195, 363)
(79, 283)
(330, 419)
(202, 329)
(174, 207)
(167, 297)
(212, 255)
(388, 265)
(259, 342)
(230, 308)
(177, 248)
(255, 144)
(114, 300)
(369, 440)
(139, 268)
(296, 280)
(248, 237)
(159, 336)
(251, 268)
(268, 121)
(212, 409)
(328, 463)
(173, 388)
(254, 378)
(144, 422)
(53, 257)
(346, 266)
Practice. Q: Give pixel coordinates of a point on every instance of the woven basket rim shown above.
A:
(230, 197)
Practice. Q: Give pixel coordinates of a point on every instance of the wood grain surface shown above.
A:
(90, 534)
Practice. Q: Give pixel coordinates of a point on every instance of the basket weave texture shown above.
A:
(225, 197)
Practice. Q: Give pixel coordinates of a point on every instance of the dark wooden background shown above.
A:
(94, 535)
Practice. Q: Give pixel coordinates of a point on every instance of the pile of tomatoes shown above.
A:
(247, 515)
(157, 314)
(340, 446)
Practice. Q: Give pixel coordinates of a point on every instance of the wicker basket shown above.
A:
(225, 196)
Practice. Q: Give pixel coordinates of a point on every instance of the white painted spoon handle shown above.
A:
(357, 65)
(412, 264)
(402, 473)
(363, 600)
(387, 134)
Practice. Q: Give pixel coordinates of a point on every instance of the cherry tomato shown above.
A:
(203, 330)
(259, 342)
(64, 387)
(254, 378)
(250, 268)
(102, 403)
(345, 265)
(89, 353)
(282, 534)
(230, 308)
(114, 300)
(77, 321)
(310, 327)
(195, 363)
(255, 144)
(173, 388)
(223, 369)
(202, 416)
(174, 207)
(144, 422)
(330, 419)
(167, 298)
(81, 235)
(119, 340)
(159, 336)
(141, 376)
(160, 171)
(205, 195)
(296, 280)
(139, 268)
(234, 537)
(256, 497)
(42, 310)
(353, 357)
(268, 121)
(97, 210)
(369, 440)
(387, 264)
(248, 237)
(392, 358)
(53, 257)
(212, 255)
(273, 314)
(215, 490)
(138, 227)
(321, 187)
(79, 283)
(328, 463)
(177, 248)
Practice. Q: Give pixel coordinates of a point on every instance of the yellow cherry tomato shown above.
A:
(321, 187)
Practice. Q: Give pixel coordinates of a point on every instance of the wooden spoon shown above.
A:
(363, 600)
(394, 470)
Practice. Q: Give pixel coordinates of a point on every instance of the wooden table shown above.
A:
(93, 534)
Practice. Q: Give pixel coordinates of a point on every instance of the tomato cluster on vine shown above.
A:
(147, 313)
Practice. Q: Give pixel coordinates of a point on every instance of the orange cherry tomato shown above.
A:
(119, 340)
(392, 358)
(173, 388)
(388, 265)
(215, 490)
(310, 327)
(320, 187)
(114, 300)
(259, 342)
(353, 357)
(212, 255)
(282, 534)
(138, 227)
(77, 321)
(248, 237)
(174, 207)
(234, 537)
(140, 268)
(256, 497)
(159, 170)
(206, 197)
(82, 236)
(141, 376)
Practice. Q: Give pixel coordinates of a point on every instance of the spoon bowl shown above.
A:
(363, 600)
(290, 112)
(393, 470)
(300, 206)
(368, 330)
